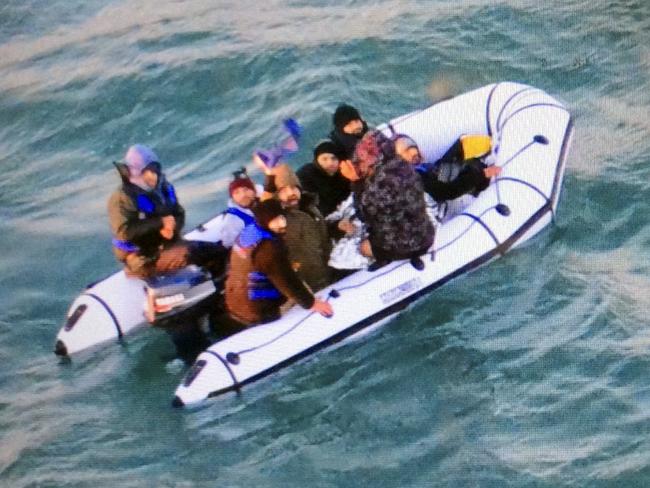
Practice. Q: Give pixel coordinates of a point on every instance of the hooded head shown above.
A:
(326, 155)
(347, 119)
(138, 159)
(407, 149)
(373, 148)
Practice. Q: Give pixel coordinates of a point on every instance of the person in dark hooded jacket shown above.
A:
(473, 176)
(390, 201)
(323, 177)
(348, 130)
(146, 219)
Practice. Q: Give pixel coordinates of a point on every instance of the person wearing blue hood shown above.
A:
(146, 220)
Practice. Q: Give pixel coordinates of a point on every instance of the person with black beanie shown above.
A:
(323, 177)
(348, 130)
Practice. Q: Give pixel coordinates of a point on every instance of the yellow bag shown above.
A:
(475, 146)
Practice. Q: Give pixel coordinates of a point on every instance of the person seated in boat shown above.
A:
(390, 200)
(307, 236)
(243, 197)
(323, 177)
(146, 220)
(345, 256)
(261, 277)
(351, 250)
(468, 176)
(348, 130)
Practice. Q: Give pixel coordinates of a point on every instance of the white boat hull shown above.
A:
(531, 134)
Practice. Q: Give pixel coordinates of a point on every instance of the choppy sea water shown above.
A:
(532, 371)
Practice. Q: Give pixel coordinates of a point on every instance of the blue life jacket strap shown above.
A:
(261, 288)
(264, 294)
(248, 219)
(252, 235)
(170, 194)
(125, 246)
(145, 204)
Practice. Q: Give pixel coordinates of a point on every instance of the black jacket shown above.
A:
(347, 142)
(331, 190)
(470, 180)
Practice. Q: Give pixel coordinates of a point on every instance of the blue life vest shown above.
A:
(125, 246)
(147, 207)
(260, 286)
(248, 219)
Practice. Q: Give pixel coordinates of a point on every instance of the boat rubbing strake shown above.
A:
(530, 134)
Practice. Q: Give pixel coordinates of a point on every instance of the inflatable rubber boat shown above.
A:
(530, 133)
(119, 305)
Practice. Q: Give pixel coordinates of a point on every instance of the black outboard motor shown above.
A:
(170, 294)
(182, 303)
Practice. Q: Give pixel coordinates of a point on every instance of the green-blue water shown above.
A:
(532, 371)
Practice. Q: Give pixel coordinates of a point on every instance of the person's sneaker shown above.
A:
(417, 263)
(376, 265)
